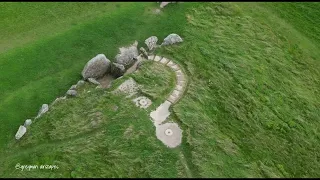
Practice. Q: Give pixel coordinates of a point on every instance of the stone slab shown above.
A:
(157, 58)
(151, 57)
(181, 83)
(172, 139)
(179, 73)
(161, 113)
(170, 63)
(180, 78)
(175, 67)
(173, 98)
(179, 87)
(164, 61)
(176, 93)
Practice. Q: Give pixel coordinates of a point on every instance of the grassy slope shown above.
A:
(251, 109)
(25, 22)
(255, 91)
(121, 144)
(44, 70)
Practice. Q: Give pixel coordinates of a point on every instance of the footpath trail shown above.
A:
(169, 133)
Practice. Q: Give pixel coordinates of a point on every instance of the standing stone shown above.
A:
(96, 67)
(128, 55)
(93, 81)
(117, 70)
(44, 108)
(28, 122)
(21, 131)
(72, 93)
(151, 42)
(172, 39)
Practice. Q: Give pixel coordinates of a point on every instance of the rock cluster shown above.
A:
(100, 65)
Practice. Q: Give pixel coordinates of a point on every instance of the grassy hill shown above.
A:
(251, 108)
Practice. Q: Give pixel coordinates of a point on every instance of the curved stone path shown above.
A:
(169, 133)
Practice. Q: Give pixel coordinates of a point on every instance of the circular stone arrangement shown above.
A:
(170, 134)
(142, 102)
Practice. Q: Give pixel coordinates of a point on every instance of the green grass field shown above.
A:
(251, 108)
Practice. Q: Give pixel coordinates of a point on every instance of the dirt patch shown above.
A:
(105, 81)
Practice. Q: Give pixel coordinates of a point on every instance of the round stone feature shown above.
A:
(168, 132)
(143, 102)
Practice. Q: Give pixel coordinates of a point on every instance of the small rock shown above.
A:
(117, 70)
(151, 42)
(93, 81)
(73, 87)
(96, 67)
(172, 39)
(144, 52)
(72, 93)
(21, 131)
(44, 108)
(128, 55)
(80, 83)
(28, 122)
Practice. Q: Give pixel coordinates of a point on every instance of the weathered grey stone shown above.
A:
(93, 81)
(21, 131)
(72, 93)
(80, 83)
(128, 55)
(28, 122)
(96, 67)
(151, 42)
(73, 87)
(44, 108)
(117, 70)
(144, 52)
(172, 39)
